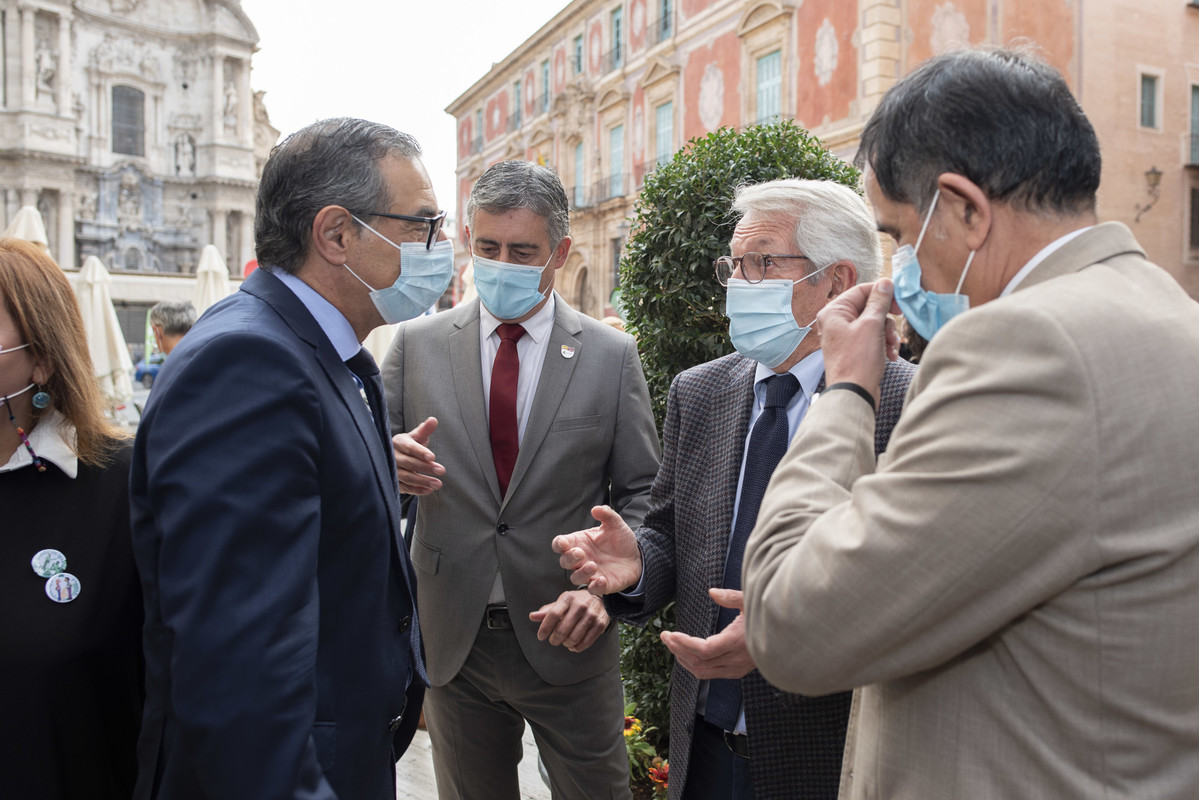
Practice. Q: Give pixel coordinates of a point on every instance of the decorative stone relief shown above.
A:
(87, 206)
(46, 65)
(951, 29)
(129, 202)
(230, 105)
(191, 122)
(826, 52)
(711, 97)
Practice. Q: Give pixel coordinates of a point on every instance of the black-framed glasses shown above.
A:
(753, 266)
(434, 223)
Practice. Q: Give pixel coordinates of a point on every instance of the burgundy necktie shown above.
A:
(505, 435)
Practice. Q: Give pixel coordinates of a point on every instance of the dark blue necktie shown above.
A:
(363, 365)
(767, 444)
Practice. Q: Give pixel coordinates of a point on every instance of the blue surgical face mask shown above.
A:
(424, 276)
(926, 311)
(508, 291)
(761, 322)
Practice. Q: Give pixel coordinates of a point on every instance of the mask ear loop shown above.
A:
(37, 462)
(927, 219)
(965, 269)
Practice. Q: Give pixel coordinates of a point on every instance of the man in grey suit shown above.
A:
(1015, 583)
(767, 744)
(527, 414)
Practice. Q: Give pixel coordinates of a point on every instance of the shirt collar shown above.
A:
(537, 327)
(51, 439)
(332, 322)
(808, 372)
(1041, 255)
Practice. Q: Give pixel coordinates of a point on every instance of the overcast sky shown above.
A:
(399, 62)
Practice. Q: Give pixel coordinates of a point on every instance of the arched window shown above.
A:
(128, 121)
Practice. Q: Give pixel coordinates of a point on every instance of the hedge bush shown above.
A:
(682, 222)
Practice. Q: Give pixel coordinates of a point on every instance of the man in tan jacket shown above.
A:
(1015, 583)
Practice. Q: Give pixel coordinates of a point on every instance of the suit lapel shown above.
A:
(555, 378)
(465, 360)
(273, 292)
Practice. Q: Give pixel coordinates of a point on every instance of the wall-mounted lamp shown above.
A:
(1153, 179)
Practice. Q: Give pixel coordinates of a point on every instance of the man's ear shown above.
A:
(969, 205)
(844, 275)
(561, 252)
(466, 238)
(332, 232)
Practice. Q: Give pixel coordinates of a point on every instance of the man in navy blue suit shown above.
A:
(283, 653)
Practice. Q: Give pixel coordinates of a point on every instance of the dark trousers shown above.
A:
(714, 771)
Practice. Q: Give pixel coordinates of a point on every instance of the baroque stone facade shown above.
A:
(132, 126)
(608, 87)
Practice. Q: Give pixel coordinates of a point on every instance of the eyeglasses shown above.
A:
(753, 266)
(434, 223)
(13, 349)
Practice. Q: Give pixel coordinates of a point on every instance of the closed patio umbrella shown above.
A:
(28, 225)
(110, 356)
(212, 279)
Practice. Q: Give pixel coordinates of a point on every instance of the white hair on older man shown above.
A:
(831, 221)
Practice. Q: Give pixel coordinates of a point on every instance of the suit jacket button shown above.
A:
(405, 624)
(502, 529)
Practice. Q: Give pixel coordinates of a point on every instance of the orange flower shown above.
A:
(660, 775)
(632, 726)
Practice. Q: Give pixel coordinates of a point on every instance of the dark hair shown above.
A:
(176, 317)
(1001, 118)
(508, 185)
(331, 162)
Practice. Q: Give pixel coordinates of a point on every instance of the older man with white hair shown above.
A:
(798, 245)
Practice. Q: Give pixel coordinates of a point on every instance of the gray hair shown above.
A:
(175, 317)
(509, 185)
(331, 162)
(831, 221)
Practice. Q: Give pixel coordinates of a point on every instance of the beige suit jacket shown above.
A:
(590, 439)
(1016, 585)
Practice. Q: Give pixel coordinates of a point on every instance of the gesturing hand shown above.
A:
(722, 655)
(415, 466)
(605, 558)
(575, 620)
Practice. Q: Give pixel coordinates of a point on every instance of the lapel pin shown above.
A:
(568, 351)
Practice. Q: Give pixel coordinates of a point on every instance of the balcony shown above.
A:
(611, 187)
(580, 197)
(476, 145)
(658, 30)
(542, 104)
(613, 59)
(514, 120)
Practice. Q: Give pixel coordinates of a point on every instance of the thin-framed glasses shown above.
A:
(13, 349)
(753, 266)
(434, 223)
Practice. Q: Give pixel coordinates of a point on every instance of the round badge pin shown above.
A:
(48, 563)
(63, 587)
(568, 351)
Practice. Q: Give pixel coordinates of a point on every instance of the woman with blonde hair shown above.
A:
(70, 601)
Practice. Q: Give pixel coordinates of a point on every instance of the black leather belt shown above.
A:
(497, 619)
(737, 743)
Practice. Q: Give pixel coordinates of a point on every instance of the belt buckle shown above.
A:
(497, 618)
(737, 743)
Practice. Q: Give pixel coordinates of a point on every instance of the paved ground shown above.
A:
(414, 773)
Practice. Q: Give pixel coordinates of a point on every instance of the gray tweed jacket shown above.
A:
(795, 742)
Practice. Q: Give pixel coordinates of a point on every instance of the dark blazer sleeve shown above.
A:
(655, 537)
(237, 566)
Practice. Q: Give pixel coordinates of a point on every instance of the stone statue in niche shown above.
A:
(230, 105)
(185, 155)
(46, 66)
(129, 202)
(87, 206)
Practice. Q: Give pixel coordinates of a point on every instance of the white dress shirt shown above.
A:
(530, 350)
